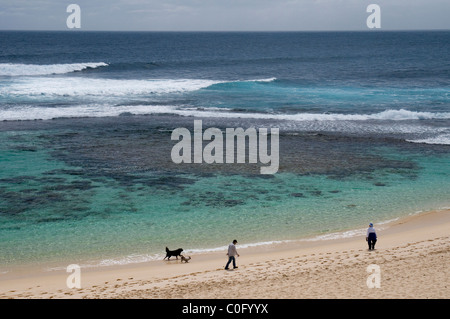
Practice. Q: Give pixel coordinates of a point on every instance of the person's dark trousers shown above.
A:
(372, 240)
(231, 259)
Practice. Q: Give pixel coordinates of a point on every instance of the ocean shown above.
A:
(86, 174)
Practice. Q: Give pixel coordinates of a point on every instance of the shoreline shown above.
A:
(293, 262)
(27, 268)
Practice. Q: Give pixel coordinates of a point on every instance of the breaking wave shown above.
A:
(18, 69)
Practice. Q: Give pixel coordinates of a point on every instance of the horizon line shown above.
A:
(223, 31)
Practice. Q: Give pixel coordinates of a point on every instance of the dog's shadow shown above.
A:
(176, 253)
(183, 259)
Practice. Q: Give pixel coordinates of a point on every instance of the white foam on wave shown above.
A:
(402, 114)
(80, 87)
(260, 80)
(350, 233)
(48, 113)
(18, 69)
(96, 110)
(443, 139)
(241, 246)
(131, 259)
(393, 115)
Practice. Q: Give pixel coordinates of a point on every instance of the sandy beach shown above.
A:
(412, 253)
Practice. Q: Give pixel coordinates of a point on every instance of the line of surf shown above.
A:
(143, 258)
(19, 69)
(442, 139)
(42, 87)
(47, 113)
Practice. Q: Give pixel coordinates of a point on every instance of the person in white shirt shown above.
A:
(232, 252)
(371, 237)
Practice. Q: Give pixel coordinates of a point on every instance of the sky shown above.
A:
(224, 15)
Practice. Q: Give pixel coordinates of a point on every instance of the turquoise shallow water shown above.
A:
(55, 214)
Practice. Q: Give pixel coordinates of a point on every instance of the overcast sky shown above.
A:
(224, 15)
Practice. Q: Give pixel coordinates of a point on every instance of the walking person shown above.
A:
(232, 252)
(371, 237)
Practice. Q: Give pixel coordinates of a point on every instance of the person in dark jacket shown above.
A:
(371, 237)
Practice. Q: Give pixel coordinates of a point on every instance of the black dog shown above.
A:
(171, 253)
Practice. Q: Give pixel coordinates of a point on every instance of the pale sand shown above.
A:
(413, 255)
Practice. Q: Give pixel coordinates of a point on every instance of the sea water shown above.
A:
(85, 139)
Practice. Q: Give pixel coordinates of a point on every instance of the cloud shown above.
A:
(223, 15)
